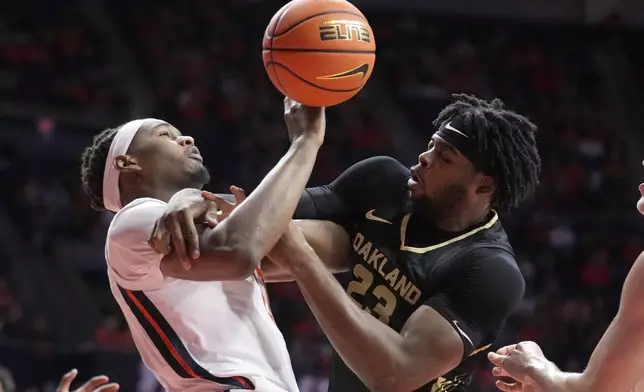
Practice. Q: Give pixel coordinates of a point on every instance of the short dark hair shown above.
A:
(93, 166)
(506, 139)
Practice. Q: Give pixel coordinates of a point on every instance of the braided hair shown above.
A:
(93, 163)
(506, 140)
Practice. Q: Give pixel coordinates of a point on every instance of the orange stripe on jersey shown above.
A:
(170, 346)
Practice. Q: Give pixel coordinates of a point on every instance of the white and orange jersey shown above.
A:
(195, 336)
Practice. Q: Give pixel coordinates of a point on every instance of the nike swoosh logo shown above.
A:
(451, 128)
(463, 333)
(360, 70)
(372, 217)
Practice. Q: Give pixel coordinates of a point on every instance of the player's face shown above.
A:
(443, 177)
(167, 157)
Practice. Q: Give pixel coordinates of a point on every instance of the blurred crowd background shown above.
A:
(70, 68)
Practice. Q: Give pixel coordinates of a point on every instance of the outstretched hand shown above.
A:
(522, 363)
(95, 384)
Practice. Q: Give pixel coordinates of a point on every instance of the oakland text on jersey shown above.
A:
(397, 281)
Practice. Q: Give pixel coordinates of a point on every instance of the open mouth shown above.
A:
(196, 157)
(414, 176)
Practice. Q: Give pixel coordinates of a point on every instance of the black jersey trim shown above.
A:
(167, 342)
(406, 248)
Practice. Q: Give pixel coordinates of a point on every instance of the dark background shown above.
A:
(70, 68)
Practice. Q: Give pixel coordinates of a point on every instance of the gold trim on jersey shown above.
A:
(403, 235)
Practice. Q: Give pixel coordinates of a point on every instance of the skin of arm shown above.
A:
(385, 360)
(328, 240)
(618, 360)
(232, 249)
(615, 365)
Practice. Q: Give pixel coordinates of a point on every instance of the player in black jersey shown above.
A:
(434, 276)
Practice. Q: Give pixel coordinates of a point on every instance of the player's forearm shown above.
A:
(547, 377)
(370, 348)
(260, 220)
(329, 241)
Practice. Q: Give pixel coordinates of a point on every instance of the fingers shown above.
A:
(93, 383)
(208, 195)
(66, 381)
(288, 104)
(158, 239)
(192, 236)
(111, 387)
(509, 387)
(496, 359)
(314, 111)
(222, 203)
(212, 218)
(507, 349)
(500, 372)
(178, 242)
(239, 194)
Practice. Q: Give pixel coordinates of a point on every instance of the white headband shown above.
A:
(119, 146)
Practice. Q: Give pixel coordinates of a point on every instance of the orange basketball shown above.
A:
(319, 52)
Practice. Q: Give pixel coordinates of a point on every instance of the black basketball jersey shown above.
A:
(401, 262)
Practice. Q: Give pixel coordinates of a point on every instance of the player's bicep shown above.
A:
(617, 362)
(431, 347)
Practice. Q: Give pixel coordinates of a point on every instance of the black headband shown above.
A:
(455, 133)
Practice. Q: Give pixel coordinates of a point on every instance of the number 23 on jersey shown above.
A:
(387, 301)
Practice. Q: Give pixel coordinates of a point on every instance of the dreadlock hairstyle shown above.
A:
(506, 142)
(93, 163)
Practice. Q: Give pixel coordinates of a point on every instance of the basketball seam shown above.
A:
(274, 64)
(348, 51)
(270, 36)
(309, 18)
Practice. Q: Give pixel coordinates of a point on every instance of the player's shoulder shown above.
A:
(134, 218)
(382, 175)
(385, 165)
(490, 244)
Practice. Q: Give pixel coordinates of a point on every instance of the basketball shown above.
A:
(319, 52)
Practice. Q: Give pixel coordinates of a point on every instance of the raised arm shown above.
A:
(376, 180)
(232, 249)
(615, 365)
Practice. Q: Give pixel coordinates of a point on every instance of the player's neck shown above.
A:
(155, 191)
(463, 220)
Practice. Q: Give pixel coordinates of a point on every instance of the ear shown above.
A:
(486, 186)
(127, 164)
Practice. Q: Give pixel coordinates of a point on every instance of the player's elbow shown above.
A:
(408, 374)
(389, 383)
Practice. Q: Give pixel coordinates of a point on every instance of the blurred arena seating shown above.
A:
(200, 60)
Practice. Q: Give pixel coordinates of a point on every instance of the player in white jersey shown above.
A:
(616, 365)
(206, 327)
